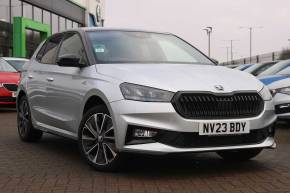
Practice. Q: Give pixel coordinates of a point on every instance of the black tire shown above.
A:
(25, 128)
(98, 146)
(239, 155)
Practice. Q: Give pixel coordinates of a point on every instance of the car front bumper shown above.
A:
(163, 117)
(282, 106)
(6, 97)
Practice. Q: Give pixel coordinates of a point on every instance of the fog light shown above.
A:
(144, 133)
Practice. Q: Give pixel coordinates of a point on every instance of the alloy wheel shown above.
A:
(98, 139)
(23, 115)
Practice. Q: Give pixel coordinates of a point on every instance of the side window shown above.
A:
(49, 55)
(72, 46)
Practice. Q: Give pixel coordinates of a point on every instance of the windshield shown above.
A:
(285, 71)
(243, 67)
(276, 68)
(17, 64)
(142, 47)
(259, 68)
(6, 67)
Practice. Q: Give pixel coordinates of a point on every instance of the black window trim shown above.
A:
(39, 55)
(45, 44)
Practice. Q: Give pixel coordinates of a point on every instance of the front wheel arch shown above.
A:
(20, 95)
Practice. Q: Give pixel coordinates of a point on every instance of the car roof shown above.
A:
(86, 29)
(11, 58)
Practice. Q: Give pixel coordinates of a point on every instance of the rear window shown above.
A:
(17, 64)
(6, 67)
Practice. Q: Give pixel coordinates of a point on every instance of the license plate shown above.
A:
(14, 94)
(224, 128)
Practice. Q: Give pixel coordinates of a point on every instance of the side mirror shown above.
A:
(69, 61)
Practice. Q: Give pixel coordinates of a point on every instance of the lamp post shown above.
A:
(227, 48)
(231, 47)
(250, 28)
(208, 32)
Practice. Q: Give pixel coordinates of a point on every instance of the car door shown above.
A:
(38, 81)
(66, 88)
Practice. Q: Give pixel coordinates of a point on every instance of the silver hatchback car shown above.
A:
(118, 91)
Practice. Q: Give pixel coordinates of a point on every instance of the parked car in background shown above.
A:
(243, 67)
(258, 68)
(16, 63)
(281, 75)
(143, 92)
(280, 89)
(9, 79)
(232, 66)
(279, 85)
(275, 68)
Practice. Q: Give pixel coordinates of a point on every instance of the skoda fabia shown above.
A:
(118, 91)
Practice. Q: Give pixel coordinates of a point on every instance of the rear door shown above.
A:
(38, 80)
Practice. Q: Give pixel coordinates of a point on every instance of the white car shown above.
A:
(258, 68)
(279, 85)
(118, 91)
(281, 65)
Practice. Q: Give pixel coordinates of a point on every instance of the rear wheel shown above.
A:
(25, 129)
(239, 155)
(97, 139)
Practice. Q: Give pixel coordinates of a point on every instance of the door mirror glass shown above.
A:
(69, 61)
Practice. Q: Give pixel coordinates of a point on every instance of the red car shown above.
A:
(9, 79)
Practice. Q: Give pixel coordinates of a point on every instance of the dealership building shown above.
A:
(25, 23)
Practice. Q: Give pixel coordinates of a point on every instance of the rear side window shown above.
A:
(49, 54)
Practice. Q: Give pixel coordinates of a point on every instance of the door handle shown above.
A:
(49, 79)
(30, 76)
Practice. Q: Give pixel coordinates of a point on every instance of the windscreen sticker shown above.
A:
(99, 48)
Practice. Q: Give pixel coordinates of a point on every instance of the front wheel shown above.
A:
(239, 155)
(97, 139)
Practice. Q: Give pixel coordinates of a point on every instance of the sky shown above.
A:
(188, 18)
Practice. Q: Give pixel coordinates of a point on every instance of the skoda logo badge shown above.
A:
(219, 87)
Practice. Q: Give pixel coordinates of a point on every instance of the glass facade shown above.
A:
(13, 8)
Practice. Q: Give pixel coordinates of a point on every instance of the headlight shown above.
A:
(265, 94)
(285, 90)
(144, 93)
(1, 85)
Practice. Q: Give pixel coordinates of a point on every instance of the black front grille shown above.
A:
(194, 140)
(11, 87)
(217, 106)
(7, 99)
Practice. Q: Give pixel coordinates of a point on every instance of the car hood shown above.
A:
(268, 80)
(9, 77)
(182, 77)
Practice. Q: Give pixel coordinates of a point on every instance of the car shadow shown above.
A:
(135, 165)
(7, 110)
